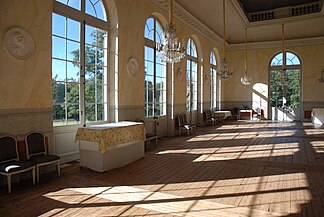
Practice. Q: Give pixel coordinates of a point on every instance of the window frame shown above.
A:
(151, 44)
(280, 67)
(213, 81)
(192, 59)
(84, 20)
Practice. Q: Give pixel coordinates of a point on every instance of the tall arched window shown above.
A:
(192, 69)
(213, 81)
(285, 82)
(79, 61)
(155, 71)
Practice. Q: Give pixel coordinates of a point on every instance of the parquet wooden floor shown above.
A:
(237, 169)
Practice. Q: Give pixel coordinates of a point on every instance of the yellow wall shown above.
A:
(26, 83)
(258, 68)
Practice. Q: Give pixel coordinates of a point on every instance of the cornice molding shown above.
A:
(185, 17)
(278, 44)
(188, 19)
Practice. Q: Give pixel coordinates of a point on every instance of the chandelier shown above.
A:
(246, 80)
(172, 51)
(224, 71)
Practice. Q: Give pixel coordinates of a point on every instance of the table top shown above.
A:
(245, 110)
(112, 133)
(225, 113)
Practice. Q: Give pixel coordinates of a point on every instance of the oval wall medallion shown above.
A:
(132, 66)
(19, 43)
(180, 74)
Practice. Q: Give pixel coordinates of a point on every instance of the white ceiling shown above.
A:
(209, 12)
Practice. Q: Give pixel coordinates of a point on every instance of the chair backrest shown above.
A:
(180, 120)
(185, 120)
(35, 144)
(151, 127)
(8, 149)
(235, 111)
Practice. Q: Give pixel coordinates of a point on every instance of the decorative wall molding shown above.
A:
(278, 44)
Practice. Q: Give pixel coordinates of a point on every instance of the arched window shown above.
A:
(79, 62)
(285, 81)
(213, 81)
(192, 74)
(155, 71)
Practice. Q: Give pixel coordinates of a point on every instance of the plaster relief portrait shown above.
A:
(19, 43)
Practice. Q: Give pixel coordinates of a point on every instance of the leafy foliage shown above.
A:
(285, 88)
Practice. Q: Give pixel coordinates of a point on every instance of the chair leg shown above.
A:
(33, 174)
(58, 168)
(37, 173)
(9, 183)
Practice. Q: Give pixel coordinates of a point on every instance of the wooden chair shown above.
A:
(184, 125)
(37, 153)
(209, 118)
(151, 134)
(235, 113)
(9, 160)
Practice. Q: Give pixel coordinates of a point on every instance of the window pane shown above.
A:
(90, 52)
(58, 92)
(160, 70)
(100, 112)
(72, 93)
(149, 53)
(58, 70)
(90, 35)
(100, 11)
(100, 58)
(292, 59)
(149, 28)
(100, 93)
(160, 83)
(58, 48)
(277, 60)
(73, 114)
(76, 4)
(101, 37)
(149, 68)
(73, 51)
(149, 81)
(90, 94)
(58, 25)
(90, 111)
(149, 96)
(90, 75)
(99, 75)
(59, 115)
(95, 8)
(73, 30)
(90, 8)
(73, 72)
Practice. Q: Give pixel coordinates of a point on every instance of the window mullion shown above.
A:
(154, 71)
(82, 75)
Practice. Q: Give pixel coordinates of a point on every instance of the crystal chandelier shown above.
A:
(224, 71)
(246, 80)
(172, 51)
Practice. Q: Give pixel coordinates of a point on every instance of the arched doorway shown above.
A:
(285, 87)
